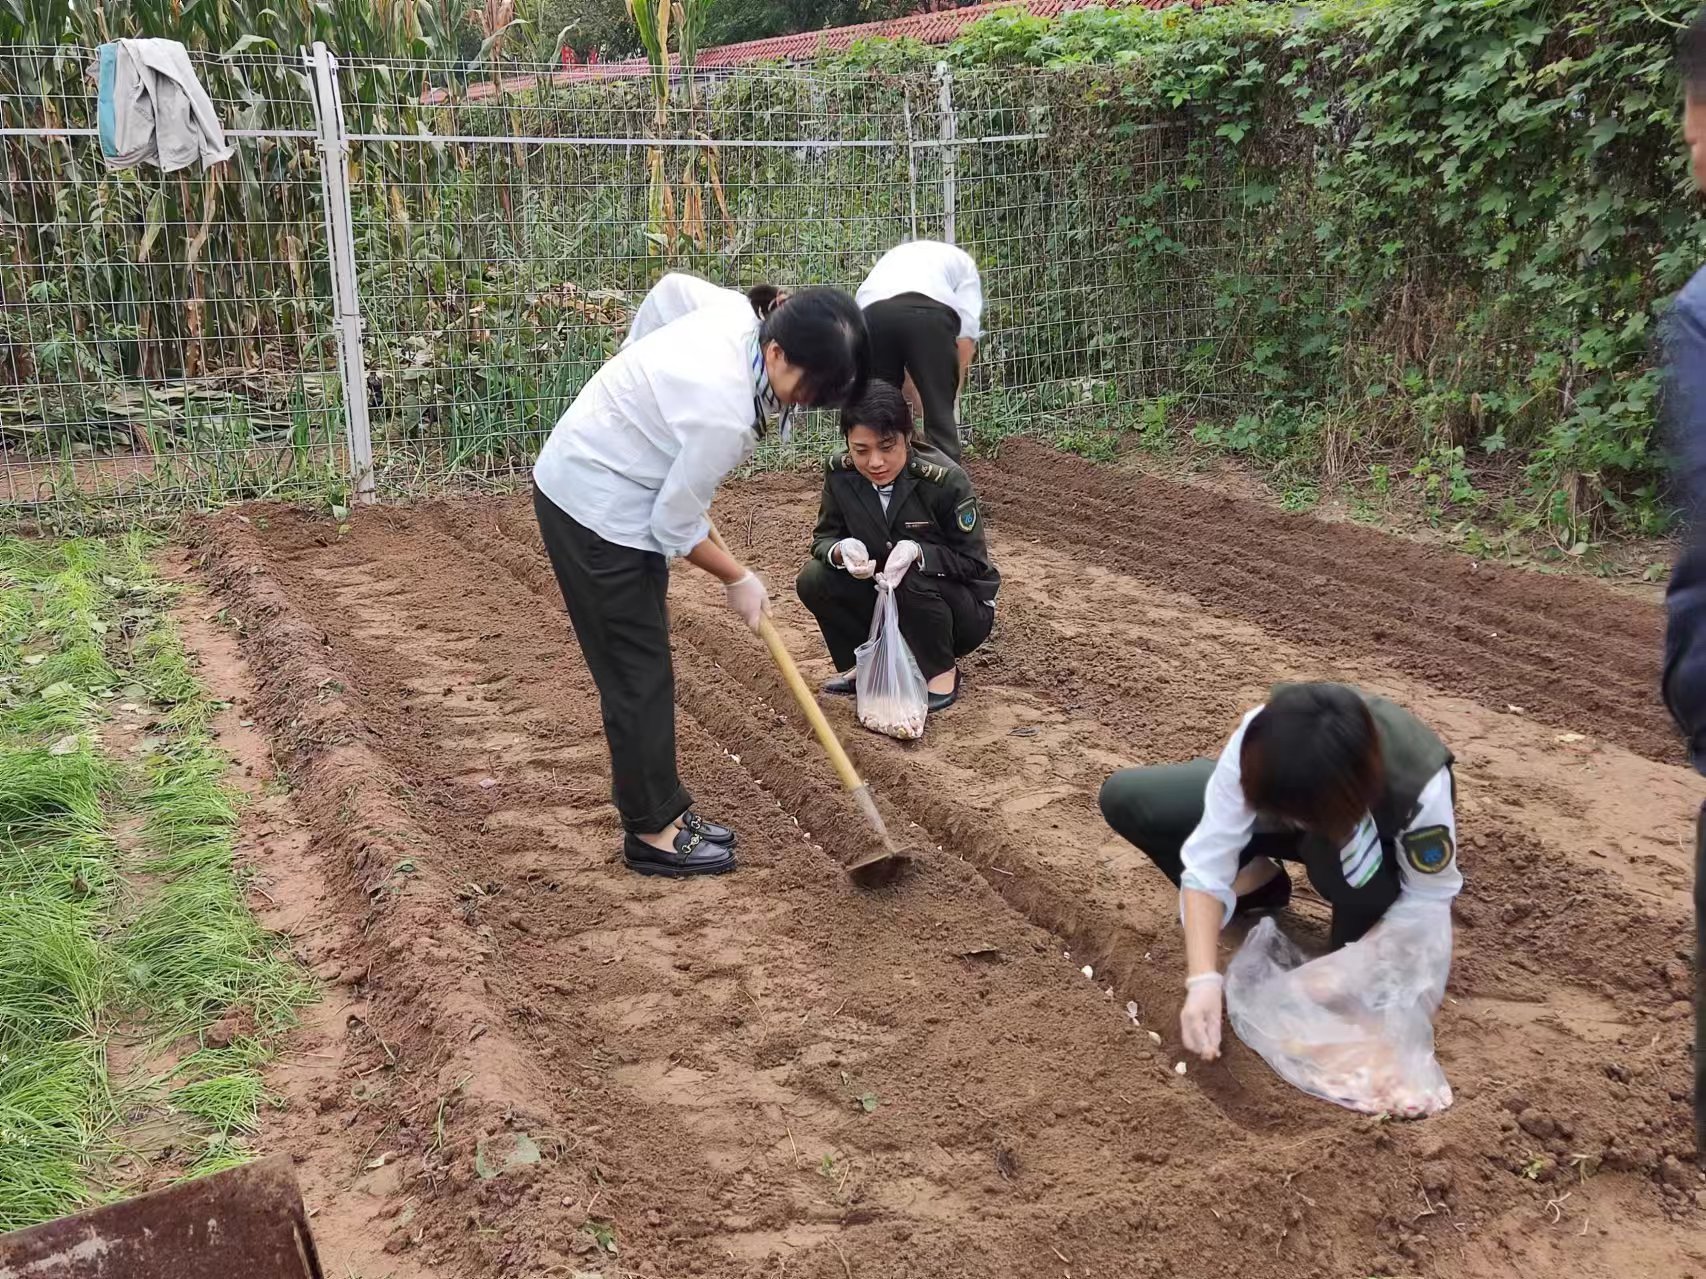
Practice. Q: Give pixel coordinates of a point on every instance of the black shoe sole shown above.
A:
(680, 872)
(1266, 900)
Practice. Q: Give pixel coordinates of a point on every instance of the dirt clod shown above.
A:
(1537, 1124)
(226, 1030)
(1438, 1178)
(1678, 1175)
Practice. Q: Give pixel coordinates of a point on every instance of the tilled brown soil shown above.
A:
(775, 1074)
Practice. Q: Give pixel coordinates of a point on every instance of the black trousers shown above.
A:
(1158, 808)
(617, 601)
(918, 335)
(942, 620)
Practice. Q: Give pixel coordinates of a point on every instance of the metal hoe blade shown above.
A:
(247, 1222)
(886, 864)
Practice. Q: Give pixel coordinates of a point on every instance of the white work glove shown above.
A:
(854, 557)
(1199, 1020)
(748, 598)
(903, 557)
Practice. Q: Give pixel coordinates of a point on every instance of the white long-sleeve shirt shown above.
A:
(1212, 850)
(941, 272)
(638, 456)
(675, 295)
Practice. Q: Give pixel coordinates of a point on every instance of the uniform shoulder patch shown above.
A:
(965, 515)
(840, 462)
(1429, 850)
(931, 471)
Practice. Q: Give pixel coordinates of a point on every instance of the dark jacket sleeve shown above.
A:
(831, 523)
(1685, 599)
(964, 555)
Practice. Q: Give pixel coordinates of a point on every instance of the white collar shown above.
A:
(765, 404)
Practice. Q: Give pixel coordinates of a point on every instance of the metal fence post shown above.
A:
(911, 165)
(340, 236)
(950, 131)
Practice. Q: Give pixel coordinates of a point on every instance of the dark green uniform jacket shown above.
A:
(932, 504)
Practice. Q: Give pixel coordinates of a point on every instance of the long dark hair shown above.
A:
(765, 298)
(822, 333)
(1312, 755)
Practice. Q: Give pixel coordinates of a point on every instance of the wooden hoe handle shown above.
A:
(803, 695)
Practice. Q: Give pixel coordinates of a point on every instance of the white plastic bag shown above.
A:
(892, 696)
(1354, 1027)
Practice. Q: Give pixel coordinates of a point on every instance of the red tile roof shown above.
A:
(928, 28)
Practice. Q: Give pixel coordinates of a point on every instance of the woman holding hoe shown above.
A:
(625, 483)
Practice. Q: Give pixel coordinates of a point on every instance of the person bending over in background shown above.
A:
(1351, 786)
(678, 294)
(923, 304)
(887, 503)
(625, 482)
(1684, 682)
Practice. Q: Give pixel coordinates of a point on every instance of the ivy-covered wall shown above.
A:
(1462, 222)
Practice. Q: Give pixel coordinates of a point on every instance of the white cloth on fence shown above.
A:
(153, 108)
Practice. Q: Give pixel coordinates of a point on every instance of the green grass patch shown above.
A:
(43, 794)
(54, 978)
(150, 934)
(54, 1110)
(162, 668)
(194, 951)
(58, 873)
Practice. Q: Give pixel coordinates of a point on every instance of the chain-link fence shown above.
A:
(165, 340)
(417, 317)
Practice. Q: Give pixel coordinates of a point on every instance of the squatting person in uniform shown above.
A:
(923, 305)
(888, 503)
(624, 484)
(1350, 786)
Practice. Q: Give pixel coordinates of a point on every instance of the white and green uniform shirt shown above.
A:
(1211, 854)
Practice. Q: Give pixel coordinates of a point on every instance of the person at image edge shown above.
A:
(1684, 679)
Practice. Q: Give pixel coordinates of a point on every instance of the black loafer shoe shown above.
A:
(941, 701)
(692, 855)
(709, 831)
(1270, 898)
(841, 686)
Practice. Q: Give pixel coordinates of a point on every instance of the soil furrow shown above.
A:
(1569, 611)
(1412, 635)
(774, 1074)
